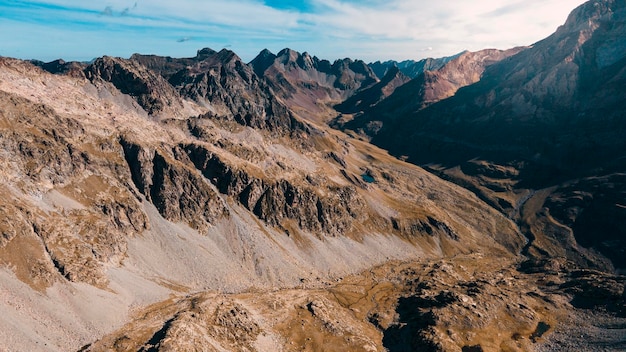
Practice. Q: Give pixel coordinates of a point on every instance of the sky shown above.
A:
(330, 29)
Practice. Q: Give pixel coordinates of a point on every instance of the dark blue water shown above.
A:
(368, 178)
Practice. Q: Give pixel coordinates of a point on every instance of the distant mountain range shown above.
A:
(411, 68)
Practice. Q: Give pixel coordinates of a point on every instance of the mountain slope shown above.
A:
(371, 96)
(104, 206)
(547, 117)
(427, 88)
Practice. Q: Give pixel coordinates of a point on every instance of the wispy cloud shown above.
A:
(369, 29)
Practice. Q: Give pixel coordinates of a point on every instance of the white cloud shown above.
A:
(371, 29)
(456, 24)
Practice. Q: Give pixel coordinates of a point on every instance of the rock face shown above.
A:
(178, 192)
(227, 87)
(546, 116)
(278, 203)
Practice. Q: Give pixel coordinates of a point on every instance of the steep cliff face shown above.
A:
(176, 190)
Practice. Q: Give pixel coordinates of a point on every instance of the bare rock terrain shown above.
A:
(108, 206)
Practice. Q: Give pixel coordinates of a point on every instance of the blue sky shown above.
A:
(331, 29)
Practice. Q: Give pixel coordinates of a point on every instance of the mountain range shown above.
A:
(470, 203)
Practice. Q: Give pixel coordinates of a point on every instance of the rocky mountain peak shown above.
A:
(392, 71)
(262, 61)
(589, 15)
(226, 56)
(265, 53)
(60, 66)
(306, 61)
(288, 55)
(360, 67)
(205, 53)
(307, 83)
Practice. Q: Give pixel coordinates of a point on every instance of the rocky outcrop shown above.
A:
(280, 202)
(430, 226)
(150, 90)
(179, 192)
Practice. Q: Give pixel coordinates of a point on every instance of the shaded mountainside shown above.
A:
(371, 96)
(551, 115)
(427, 88)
